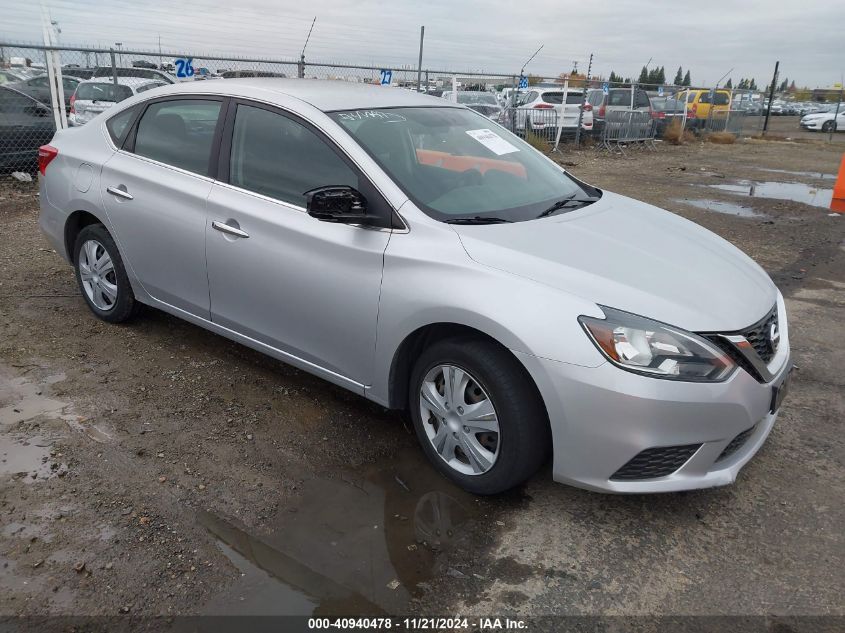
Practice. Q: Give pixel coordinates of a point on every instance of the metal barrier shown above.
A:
(627, 128)
(531, 123)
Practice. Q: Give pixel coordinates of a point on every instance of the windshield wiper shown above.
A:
(565, 202)
(476, 220)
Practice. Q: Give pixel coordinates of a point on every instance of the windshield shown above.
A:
(454, 163)
(103, 92)
(481, 98)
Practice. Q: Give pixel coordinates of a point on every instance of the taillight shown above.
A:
(72, 101)
(660, 115)
(46, 154)
(601, 111)
(587, 107)
(543, 106)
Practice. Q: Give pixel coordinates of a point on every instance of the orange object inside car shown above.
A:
(463, 163)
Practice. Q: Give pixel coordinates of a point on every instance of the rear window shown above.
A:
(103, 92)
(619, 97)
(178, 133)
(557, 97)
(722, 98)
(595, 97)
(642, 99)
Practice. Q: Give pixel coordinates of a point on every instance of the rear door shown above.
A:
(155, 192)
(285, 279)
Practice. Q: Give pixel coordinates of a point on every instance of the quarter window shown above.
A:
(179, 133)
(275, 156)
(117, 125)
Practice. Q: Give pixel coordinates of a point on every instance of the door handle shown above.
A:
(231, 230)
(120, 193)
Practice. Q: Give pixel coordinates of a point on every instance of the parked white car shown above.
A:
(545, 109)
(825, 121)
(96, 95)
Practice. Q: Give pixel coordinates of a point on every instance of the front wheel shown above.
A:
(101, 276)
(478, 415)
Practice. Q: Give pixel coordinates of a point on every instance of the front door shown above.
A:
(277, 275)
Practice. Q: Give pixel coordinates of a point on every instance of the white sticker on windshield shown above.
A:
(492, 141)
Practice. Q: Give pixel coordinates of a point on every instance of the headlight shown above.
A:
(655, 349)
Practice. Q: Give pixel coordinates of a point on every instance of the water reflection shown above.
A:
(363, 543)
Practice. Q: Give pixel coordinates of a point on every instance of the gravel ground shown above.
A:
(155, 468)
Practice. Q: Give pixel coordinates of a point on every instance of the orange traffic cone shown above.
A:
(837, 205)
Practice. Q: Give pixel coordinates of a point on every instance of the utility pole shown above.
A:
(301, 65)
(835, 114)
(771, 98)
(419, 65)
(160, 60)
(574, 66)
(583, 101)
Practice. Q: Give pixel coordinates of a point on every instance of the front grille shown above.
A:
(656, 462)
(758, 335)
(735, 444)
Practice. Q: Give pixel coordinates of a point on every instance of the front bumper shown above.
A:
(812, 125)
(603, 417)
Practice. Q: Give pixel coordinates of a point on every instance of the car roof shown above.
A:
(132, 82)
(324, 94)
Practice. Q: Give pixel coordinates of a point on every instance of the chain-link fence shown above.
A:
(547, 112)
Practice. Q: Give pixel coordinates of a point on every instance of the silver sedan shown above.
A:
(412, 251)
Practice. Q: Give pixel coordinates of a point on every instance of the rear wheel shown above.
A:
(101, 276)
(478, 415)
(829, 126)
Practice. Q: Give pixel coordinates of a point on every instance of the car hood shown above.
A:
(632, 256)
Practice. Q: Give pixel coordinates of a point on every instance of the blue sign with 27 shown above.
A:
(386, 76)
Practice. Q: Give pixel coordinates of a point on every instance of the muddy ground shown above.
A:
(155, 468)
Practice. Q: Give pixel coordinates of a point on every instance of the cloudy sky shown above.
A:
(709, 38)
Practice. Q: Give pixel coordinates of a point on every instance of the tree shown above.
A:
(687, 80)
(729, 84)
(783, 85)
(643, 76)
(752, 85)
(679, 77)
(614, 78)
(661, 76)
(533, 80)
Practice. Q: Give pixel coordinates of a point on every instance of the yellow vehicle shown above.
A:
(699, 102)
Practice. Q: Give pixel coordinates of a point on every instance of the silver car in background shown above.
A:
(414, 252)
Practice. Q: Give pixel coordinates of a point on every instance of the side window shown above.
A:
(705, 97)
(178, 133)
(278, 157)
(118, 123)
(40, 82)
(722, 98)
(642, 99)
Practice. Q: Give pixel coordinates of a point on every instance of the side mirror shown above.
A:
(337, 203)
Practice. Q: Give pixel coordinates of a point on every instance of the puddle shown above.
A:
(795, 191)
(27, 459)
(720, 206)
(365, 543)
(22, 400)
(807, 174)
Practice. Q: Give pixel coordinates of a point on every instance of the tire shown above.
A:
(829, 126)
(494, 380)
(108, 295)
